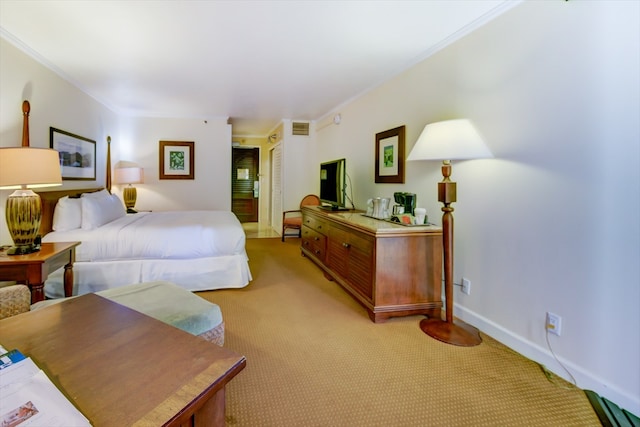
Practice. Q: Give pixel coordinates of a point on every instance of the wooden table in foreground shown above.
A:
(33, 269)
(123, 368)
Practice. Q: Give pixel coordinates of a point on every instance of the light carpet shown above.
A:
(315, 359)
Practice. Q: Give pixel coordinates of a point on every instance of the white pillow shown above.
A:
(67, 215)
(97, 211)
(97, 194)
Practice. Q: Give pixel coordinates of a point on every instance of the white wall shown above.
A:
(298, 166)
(54, 103)
(552, 223)
(138, 141)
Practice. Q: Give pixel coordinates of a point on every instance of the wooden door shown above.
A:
(245, 191)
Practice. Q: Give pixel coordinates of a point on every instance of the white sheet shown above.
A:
(197, 250)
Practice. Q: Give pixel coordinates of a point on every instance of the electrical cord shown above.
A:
(549, 374)
(349, 197)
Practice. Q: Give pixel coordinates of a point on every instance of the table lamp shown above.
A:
(129, 175)
(449, 140)
(24, 168)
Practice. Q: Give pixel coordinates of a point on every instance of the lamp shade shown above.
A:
(450, 140)
(29, 167)
(129, 175)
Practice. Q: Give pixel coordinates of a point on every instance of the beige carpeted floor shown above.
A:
(315, 359)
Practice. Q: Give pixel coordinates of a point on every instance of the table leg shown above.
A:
(68, 279)
(37, 292)
(212, 413)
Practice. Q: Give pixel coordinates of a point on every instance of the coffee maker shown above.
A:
(408, 200)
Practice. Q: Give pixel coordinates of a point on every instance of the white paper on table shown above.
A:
(29, 398)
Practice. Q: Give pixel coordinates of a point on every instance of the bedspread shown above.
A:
(159, 235)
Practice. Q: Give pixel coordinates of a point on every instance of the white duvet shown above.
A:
(158, 235)
(198, 250)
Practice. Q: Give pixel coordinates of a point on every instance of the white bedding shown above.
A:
(198, 250)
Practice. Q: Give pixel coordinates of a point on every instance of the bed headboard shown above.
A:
(49, 200)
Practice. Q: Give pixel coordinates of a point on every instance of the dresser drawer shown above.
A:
(314, 242)
(315, 224)
(348, 238)
(350, 254)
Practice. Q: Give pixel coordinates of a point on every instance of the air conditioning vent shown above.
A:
(300, 128)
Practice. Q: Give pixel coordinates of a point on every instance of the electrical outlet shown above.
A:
(466, 286)
(554, 323)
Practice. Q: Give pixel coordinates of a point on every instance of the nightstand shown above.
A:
(33, 269)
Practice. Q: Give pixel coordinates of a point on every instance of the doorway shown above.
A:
(245, 184)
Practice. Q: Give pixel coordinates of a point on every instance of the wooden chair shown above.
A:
(293, 219)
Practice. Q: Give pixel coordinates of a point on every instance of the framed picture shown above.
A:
(77, 155)
(176, 160)
(390, 156)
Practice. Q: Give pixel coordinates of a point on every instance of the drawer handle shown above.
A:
(316, 238)
(317, 252)
(345, 245)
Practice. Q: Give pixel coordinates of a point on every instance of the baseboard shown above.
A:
(585, 380)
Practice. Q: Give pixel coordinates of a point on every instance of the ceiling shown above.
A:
(255, 62)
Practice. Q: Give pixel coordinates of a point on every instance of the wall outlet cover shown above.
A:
(466, 286)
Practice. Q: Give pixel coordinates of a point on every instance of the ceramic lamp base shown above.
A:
(130, 194)
(23, 214)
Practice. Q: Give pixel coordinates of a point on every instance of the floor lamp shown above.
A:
(449, 140)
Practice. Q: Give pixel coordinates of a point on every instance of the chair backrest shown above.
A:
(310, 200)
(14, 299)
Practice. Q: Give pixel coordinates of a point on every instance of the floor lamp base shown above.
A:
(456, 333)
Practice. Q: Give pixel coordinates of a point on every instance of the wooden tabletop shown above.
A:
(380, 227)
(47, 250)
(120, 367)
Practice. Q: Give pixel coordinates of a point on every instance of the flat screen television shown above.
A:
(333, 184)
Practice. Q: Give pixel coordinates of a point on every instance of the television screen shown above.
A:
(332, 183)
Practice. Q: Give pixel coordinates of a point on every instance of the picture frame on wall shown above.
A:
(390, 159)
(177, 160)
(76, 153)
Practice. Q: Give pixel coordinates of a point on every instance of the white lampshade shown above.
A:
(129, 175)
(450, 140)
(29, 167)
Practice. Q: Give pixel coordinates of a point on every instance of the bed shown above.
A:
(197, 250)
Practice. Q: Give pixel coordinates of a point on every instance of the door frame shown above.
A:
(273, 210)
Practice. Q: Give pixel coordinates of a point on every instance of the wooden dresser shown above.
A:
(391, 269)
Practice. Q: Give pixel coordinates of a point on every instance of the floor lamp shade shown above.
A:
(449, 140)
(129, 175)
(22, 169)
